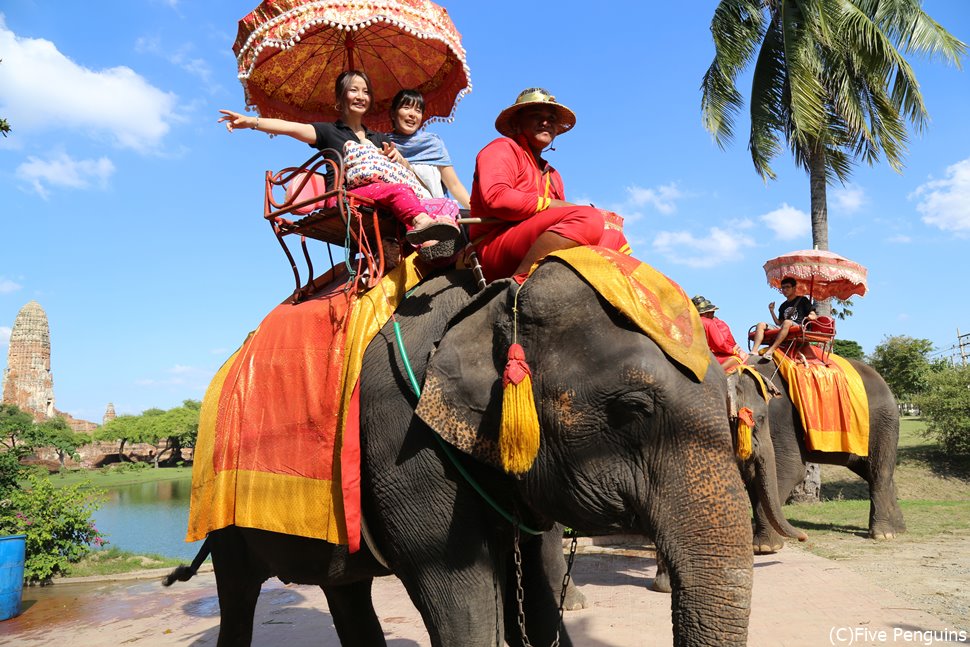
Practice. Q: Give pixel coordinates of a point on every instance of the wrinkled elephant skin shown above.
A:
(629, 443)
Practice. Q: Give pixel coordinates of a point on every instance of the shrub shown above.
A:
(946, 408)
(57, 522)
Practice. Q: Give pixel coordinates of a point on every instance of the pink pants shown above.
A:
(399, 199)
(501, 255)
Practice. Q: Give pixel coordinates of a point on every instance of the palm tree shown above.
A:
(829, 78)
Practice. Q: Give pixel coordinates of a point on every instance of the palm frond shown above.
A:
(804, 73)
(736, 28)
(913, 30)
(769, 114)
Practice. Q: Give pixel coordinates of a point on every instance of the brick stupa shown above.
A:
(27, 380)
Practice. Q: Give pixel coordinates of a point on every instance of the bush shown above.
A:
(57, 522)
(946, 408)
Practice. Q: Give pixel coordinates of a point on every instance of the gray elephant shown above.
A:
(791, 454)
(755, 456)
(630, 442)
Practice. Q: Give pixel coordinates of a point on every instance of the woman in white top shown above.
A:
(424, 151)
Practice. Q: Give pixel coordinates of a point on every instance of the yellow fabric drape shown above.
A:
(832, 403)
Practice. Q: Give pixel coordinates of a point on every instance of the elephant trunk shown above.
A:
(766, 482)
(706, 538)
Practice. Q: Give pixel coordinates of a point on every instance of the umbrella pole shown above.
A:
(349, 45)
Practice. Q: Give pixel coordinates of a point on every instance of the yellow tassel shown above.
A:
(745, 423)
(519, 433)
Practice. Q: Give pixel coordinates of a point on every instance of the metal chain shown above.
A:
(520, 593)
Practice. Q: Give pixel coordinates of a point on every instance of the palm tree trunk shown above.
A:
(810, 488)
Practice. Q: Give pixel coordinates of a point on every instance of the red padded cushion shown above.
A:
(317, 185)
(822, 325)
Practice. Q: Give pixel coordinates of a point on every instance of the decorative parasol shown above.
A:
(290, 52)
(820, 274)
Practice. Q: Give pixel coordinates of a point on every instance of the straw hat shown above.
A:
(703, 305)
(534, 97)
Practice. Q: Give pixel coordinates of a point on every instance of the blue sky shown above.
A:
(136, 221)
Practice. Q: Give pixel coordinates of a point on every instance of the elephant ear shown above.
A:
(461, 399)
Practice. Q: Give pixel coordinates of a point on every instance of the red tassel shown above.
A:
(516, 369)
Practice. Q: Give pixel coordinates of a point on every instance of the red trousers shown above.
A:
(501, 254)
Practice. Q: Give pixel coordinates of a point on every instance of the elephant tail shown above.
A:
(183, 573)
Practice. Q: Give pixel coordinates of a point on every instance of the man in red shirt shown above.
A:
(719, 337)
(520, 197)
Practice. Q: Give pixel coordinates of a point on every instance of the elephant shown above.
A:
(757, 469)
(630, 442)
(791, 455)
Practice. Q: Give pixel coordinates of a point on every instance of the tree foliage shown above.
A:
(171, 429)
(902, 362)
(56, 521)
(16, 426)
(945, 406)
(848, 349)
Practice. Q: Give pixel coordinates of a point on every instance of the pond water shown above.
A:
(148, 518)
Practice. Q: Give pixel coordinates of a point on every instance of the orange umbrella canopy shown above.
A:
(820, 274)
(290, 53)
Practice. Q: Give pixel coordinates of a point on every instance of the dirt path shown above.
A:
(838, 603)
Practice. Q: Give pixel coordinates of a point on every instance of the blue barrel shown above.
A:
(11, 574)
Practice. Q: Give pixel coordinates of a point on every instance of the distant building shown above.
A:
(27, 380)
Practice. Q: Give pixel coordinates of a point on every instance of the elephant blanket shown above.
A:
(278, 445)
(653, 302)
(831, 401)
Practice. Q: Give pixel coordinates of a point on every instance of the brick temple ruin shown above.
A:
(29, 384)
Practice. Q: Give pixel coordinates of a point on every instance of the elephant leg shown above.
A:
(539, 589)
(554, 564)
(354, 618)
(661, 581)
(459, 604)
(885, 515)
(237, 585)
(766, 540)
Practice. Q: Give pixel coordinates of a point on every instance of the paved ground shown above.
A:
(843, 609)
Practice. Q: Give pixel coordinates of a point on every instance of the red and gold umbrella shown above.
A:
(290, 52)
(820, 274)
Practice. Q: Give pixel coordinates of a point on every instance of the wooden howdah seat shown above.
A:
(819, 332)
(312, 201)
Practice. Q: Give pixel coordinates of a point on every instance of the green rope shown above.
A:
(448, 451)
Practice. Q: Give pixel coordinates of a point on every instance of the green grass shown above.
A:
(107, 477)
(933, 490)
(114, 561)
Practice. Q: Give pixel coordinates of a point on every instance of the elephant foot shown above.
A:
(575, 600)
(767, 549)
(885, 531)
(661, 583)
(767, 544)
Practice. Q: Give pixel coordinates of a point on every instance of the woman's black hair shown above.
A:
(343, 84)
(407, 99)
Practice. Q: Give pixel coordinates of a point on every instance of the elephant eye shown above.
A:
(628, 408)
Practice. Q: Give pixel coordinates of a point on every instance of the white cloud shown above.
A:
(44, 90)
(180, 57)
(180, 376)
(849, 198)
(4, 335)
(717, 248)
(900, 238)
(661, 198)
(788, 222)
(946, 203)
(7, 286)
(63, 171)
